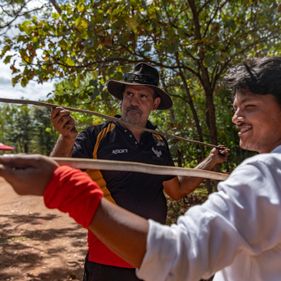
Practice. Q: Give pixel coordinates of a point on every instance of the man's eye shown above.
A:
(249, 106)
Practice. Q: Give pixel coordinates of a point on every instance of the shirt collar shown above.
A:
(277, 149)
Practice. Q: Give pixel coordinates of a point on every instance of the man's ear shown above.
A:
(156, 103)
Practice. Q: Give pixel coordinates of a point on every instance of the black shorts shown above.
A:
(100, 272)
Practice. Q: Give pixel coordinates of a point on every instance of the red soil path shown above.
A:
(37, 244)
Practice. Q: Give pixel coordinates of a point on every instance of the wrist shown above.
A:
(208, 164)
(72, 191)
(69, 138)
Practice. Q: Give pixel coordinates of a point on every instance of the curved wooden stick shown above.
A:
(83, 163)
(50, 105)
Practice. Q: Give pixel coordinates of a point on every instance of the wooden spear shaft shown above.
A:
(100, 164)
(50, 105)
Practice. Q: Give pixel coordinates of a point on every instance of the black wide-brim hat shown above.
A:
(144, 75)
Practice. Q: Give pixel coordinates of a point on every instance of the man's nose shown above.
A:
(234, 118)
(134, 100)
(237, 117)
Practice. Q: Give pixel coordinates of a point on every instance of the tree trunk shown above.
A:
(210, 107)
(192, 107)
(211, 117)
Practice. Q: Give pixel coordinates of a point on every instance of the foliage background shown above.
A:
(83, 43)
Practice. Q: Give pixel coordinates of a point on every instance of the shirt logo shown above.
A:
(120, 151)
(158, 153)
(160, 143)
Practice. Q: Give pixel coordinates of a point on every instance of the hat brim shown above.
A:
(116, 88)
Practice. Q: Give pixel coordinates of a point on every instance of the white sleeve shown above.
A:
(245, 215)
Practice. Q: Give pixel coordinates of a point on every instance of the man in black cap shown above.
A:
(139, 193)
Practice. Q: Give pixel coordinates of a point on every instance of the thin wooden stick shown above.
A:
(81, 163)
(50, 105)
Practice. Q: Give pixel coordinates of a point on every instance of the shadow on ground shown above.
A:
(41, 247)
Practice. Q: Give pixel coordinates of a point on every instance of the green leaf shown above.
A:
(7, 59)
(69, 61)
(81, 24)
(16, 79)
(5, 49)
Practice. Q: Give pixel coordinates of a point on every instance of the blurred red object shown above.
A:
(6, 147)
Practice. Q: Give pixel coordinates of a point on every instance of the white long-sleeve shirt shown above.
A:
(236, 233)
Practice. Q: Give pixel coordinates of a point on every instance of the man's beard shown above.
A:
(133, 114)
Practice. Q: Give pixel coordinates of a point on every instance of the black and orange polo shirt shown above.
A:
(139, 193)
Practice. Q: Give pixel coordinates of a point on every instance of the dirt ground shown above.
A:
(37, 243)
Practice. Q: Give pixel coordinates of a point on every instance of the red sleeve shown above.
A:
(73, 192)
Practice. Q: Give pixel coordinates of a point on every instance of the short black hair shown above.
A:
(260, 76)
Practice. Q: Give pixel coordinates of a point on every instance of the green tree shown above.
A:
(17, 127)
(27, 128)
(43, 135)
(192, 42)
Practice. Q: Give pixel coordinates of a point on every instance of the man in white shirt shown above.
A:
(235, 234)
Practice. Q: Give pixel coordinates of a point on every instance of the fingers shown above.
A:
(63, 122)
(27, 174)
(223, 150)
(24, 161)
(6, 172)
(219, 154)
(12, 176)
(59, 113)
(16, 161)
(20, 160)
(60, 116)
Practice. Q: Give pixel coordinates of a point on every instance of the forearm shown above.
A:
(63, 147)
(124, 232)
(207, 164)
(179, 187)
(189, 184)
